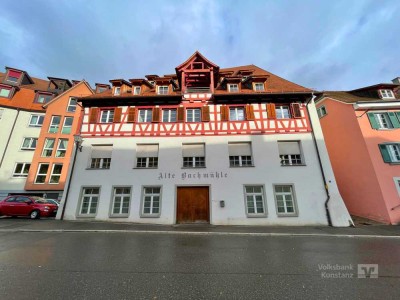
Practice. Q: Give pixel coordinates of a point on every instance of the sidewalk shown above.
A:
(51, 225)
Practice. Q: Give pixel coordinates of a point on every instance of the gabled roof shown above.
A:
(195, 55)
(68, 91)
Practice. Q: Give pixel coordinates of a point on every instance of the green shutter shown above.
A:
(385, 153)
(372, 119)
(394, 120)
(398, 115)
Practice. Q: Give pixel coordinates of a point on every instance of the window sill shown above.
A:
(298, 165)
(256, 216)
(149, 216)
(252, 166)
(194, 167)
(281, 215)
(97, 169)
(119, 216)
(145, 168)
(92, 216)
(394, 163)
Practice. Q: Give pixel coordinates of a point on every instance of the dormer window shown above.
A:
(259, 86)
(13, 76)
(387, 94)
(233, 87)
(43, 98)
(136, 90)
(117, 91)
(5, 91)
(102, 89)
(162, 90)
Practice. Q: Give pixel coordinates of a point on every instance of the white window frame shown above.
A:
(191, 115)
(145, 115)
(68, 128)
(137, 90)
(254, 200)
(321, 111)
(102, 163)
(241, 161)
(22, 174)
(39, 95)
(45, 148)
(146, 162)
(259, 87)
(293, 195)
(387, 94)
(37, 123)
(194, 161)
(383, 120)
(233, 87)
(53, 125)
(293, 159)
(5, 89)
(31, 141)
(167, 115)
(117, 91)
(280, 111)
(59, 150)
(123, 195)
(72, 107)
(150, 214)
(55, 175)
(394, 152)
(90, 203)
(397, 184)
(106, 116)
(237, 113)
(162, 89)
(41, 174)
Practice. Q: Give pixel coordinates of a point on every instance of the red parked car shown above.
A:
(32, 206)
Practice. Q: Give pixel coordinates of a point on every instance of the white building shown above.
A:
(235, 146)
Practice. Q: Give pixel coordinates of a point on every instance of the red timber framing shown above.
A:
(259, 118)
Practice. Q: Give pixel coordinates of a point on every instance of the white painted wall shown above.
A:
(307, 180)
(13, 152)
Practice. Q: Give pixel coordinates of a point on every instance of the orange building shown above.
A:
(49, 167)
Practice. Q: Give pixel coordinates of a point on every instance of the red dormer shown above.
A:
(17, 77)
(197, 75)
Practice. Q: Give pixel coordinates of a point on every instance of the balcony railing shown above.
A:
(198, 90)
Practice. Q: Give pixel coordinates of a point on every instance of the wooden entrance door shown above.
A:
(193, 205)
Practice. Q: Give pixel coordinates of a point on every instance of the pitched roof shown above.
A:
(274, 85)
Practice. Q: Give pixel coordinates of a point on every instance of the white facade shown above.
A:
(227, 184)
(15, 127)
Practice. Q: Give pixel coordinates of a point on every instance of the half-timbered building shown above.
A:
(203, 145)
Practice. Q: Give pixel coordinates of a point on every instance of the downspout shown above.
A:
(328, 196)
(73, 163)
(9, 138)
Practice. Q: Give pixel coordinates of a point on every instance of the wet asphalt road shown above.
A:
(82, 265)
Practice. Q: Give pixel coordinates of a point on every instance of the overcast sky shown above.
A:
(321, 44)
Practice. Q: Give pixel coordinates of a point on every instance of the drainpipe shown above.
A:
(73, 162)
(9, 138)
(328, 196)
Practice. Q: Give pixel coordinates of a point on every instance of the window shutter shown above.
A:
(181, 114)
(394, 120)
(156, 114)
(271, 111)
(249, 112)
(373, 121)
(205, 113)
(296, 112)
(117, 114)
(289, 148)
(131, 114)
(224, 113)
(239, 149)
(93, 113)
(101, 151)
(147, 150)
(385, 153)
(193, 150)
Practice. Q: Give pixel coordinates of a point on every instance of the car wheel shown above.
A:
(35, 214)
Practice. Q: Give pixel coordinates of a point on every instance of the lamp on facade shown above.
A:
(78, 142)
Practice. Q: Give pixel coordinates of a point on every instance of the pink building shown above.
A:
(362, 133)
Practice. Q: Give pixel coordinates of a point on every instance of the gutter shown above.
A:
(328, 196)
(9, 138)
